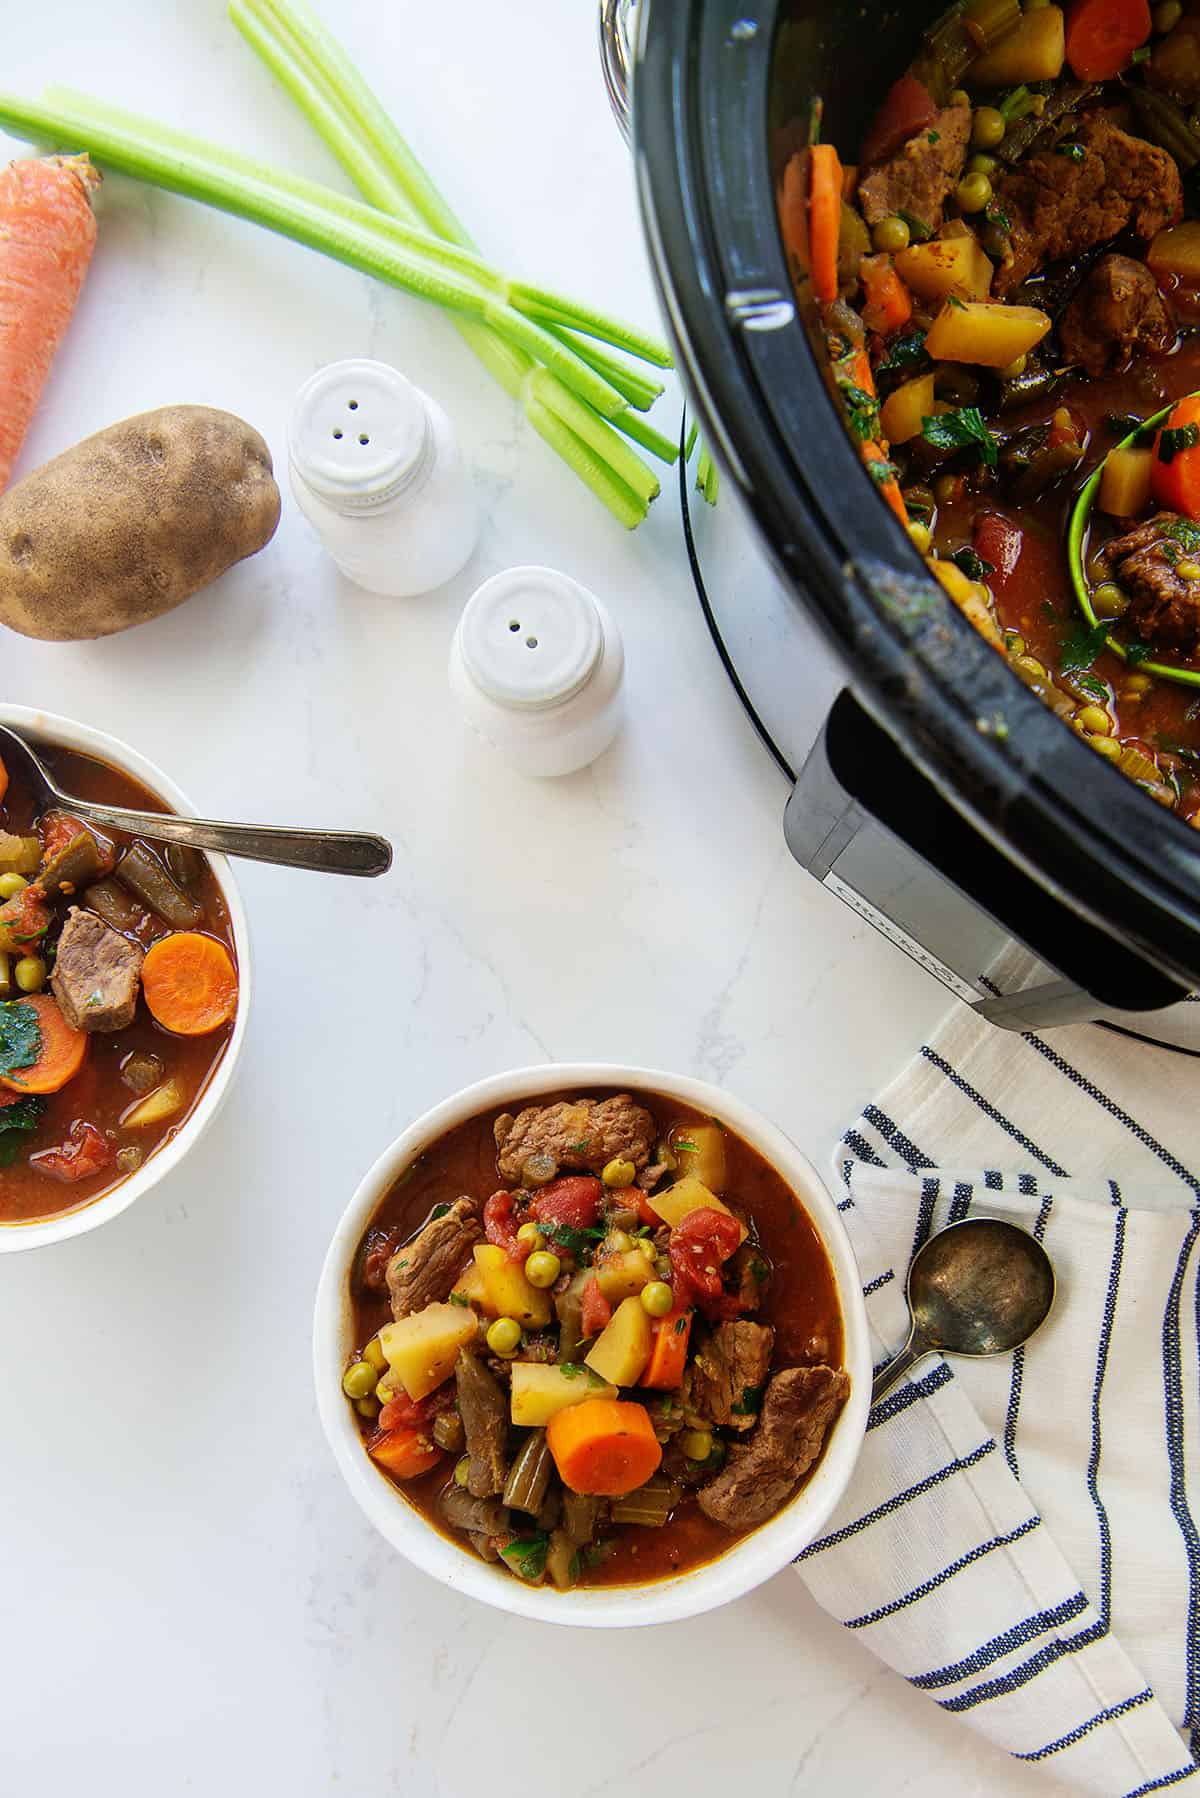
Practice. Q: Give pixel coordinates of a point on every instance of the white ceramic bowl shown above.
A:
(48, 728)
(744, 1565)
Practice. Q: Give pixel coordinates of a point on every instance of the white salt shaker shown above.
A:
(536, 667)
(376, 469)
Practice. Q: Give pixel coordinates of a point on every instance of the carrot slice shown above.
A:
(405, 1453)
(875, 454)
(824, 219)
(1175, 476)
(1102, 35)
(605, 1446)
(888, 303)
(190, 983)
(793, 211)
(62, 1053)
(47, 234)
(668, 1352)
(3, 780)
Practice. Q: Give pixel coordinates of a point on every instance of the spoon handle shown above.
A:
(323, 851)
(913, 1351)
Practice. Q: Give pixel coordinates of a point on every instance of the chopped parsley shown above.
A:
(1184, 532)
(689, 1148)
(995, 214)
(1075, 151)
(581, 1148)
(1081, 644)
(20, 1038)
(952, 299)
(960, 429)
(1172, 443)
(438, 1211)
(918, 230)
(681, 1324)
(567, 1237)
(1141, 54)
(527, 1556)
(862, 410)
(1089, 683)
(933, 137)
(972, 563)
(595, 1552)
(1121, 424)
(459, 1298)
(759, 1271)
(17, 1124)
(883, 471)
(906, 353)
(1136, 651)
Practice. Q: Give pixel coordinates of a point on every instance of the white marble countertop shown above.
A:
(192, 1602)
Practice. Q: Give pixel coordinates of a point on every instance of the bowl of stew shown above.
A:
(124, 981)
(590, 1346)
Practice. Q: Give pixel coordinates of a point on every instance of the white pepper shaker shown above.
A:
(536, 666)
(376, 469)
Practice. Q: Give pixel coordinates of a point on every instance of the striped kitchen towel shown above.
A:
(1021, 1538)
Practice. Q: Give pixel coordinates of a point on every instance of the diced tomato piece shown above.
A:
(573, 1201)
(908, 107)
(404, 1453)
(700, 1244)
(402, 1412)
(87, 1151)
(998, 541)
(595, 1312)
(57, 829)
(632, 1198)
(501, 1221)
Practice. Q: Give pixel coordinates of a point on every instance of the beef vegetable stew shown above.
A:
(1006, 273)
(112, 1018)
(596, 1341)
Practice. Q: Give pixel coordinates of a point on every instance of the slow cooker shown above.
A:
(940, 797)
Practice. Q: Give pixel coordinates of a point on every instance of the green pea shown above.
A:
(542, 1268)
(619, 1172)
(973, 193)
(921, 536)
(987, 128)
(982, 165)
(1187, 570)
(11, 885)
(531, 1234)
(367, 1407)
(1166, 16)
(1093, 719)
(1108, 747)
(891, 235)
(504, 1336)
(374, 1354)
(30, 973)
(697, 1445)
(359, 1381)
(618, 1242)
(657, 1298)
(1136, 684)
(1108, 600)
(958, 96)
(1029, 667)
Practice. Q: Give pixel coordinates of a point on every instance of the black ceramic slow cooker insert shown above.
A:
(935, 739)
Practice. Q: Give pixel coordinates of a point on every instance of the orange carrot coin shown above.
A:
(61, 1055)
(190, 983)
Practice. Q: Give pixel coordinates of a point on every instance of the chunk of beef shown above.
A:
(484, 1411)
(729, 1372)
(584, 1133)
(917, 179)
(425, 1269)
(486, 1516)
(762, 1473)
(1117, 309)
(96, 974)
(1164, 605)
(1062, 205)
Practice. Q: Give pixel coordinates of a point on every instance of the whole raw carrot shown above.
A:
(47, 233)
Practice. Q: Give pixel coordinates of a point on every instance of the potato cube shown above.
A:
(622, 1349)
(422, 1348)
(673, 1203)
(538, 1391)
(905, 410)
(986, 333)
(469, 1286)
(506, 1291)
(700, 1149)
(1034, 50)
(1125, 483)
(623, 1275)
(945, 266)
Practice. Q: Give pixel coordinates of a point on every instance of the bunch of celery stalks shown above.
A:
(549, 352)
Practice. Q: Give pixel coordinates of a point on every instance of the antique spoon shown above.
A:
(1080, 520)
(980, 1287)
(325, 851)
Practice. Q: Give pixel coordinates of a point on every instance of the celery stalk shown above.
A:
(621, 500)
(299, 27)
(639, 389)
(199, 175)
(599, 436)
(640, 430)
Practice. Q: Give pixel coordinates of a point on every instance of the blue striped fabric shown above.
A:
(1022, 1537)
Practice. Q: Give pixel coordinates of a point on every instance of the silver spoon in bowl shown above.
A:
(979, 1287)
(324, 851)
